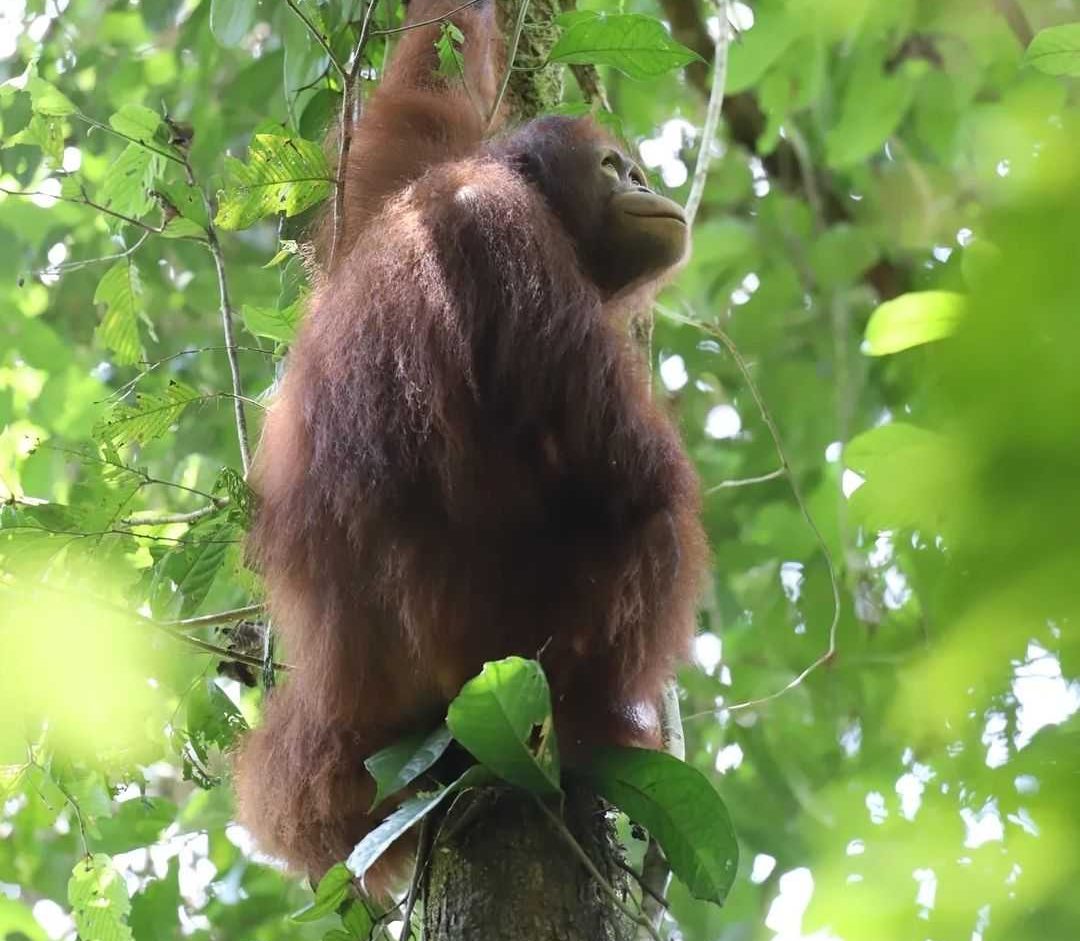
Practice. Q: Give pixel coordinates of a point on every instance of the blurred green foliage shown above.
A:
(921, 782)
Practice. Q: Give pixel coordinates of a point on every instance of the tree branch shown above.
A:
(712, 115)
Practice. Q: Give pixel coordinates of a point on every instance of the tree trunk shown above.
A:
(500, 870)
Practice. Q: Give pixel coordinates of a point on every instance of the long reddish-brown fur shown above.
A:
(464, 463)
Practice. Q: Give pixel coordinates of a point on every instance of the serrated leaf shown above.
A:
(47, 99)
(126, 187)
(379, 840)
(149, 418)
(277, 324)
(394, 767)
(495, 717)
(136, 122)
(99, 900)
(638, 46)
(283, 174)
(681, 810)
(120, 290)
(1056, 50)
(184, 574)
(332, 890)
(913, 319)
(232, 20)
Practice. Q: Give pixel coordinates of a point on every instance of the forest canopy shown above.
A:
(871, 354)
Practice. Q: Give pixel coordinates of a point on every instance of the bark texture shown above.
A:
(500, 871)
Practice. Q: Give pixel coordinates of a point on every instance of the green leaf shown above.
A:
(15, 112)
(283, 174)
(232, 20)
(154, 909)
(150, 418)
(448, 49)
(47, 99)
(394, 767)
(212, 718)
(120, 290)
(99, 900)
(332, 890)
(126, 187)
(357, 919)
(136, 122)
(1056, 50)
(277, 324)
(136, 823)
(755, 51)
(17, 921)
(372, 846)
(185, 572)
(495, 717)
(913, 319)
(681, 810)
(638, 46)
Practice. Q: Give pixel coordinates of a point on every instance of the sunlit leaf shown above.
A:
(503, 717)
(149, 418)
(1056, 50)
(681, 810)
(99, 900)
(276, 323)
(913, 319)
(638, 46)
(120, 290)
(283, 174)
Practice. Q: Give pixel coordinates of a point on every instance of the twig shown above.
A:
(519, 25)
(423, 854)
(746, 481)
(152, 518)
(437, 19)
(214, 245)
(146, 478)
(590, 866)
(1017, 20)
(151, 365)
(785, 463)
(712, 115)
(84, 201)
(648, 890)
(319, 38)
(108, 129)
(31, 762)
(86, 262)
(221, 617)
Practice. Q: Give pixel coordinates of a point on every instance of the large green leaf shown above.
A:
(273, 322)
(232, 20)
(503, 717)
(150, 417)
(681, 810)
(394, 767)
(332, 890)
(185, 572)
(99, 900)
(1056, 50)
(283, 174)
(126, 187)
(379, 840)
(120, 290)
(638, 46)
(913, 319)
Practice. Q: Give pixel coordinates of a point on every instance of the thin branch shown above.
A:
(151, 365)
(519, 25)
(108, 129)
(111, 531)
(32, 762)
(785, 463)
(631, 871)
(746, 481)
(86, 262)
(84, 201)
(221, 617)
(152, 518)
(1017, 20)
(437, 19)
(319, 38)
(590, 866)
(214, 245)
(712, 115)
(146, 478)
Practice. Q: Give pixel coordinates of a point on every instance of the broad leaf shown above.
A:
(120, 290)
(503, 717)
(47, 99)
(394, 767)
(99, 900)
(283, 174)
(138, 123)
(332, 890)
(232, 20)
(1056, 50)
(681, 810)
(184, 574)
(126, 187)
(913, 319)
(212, 717)
(638, 46)
(276, 323)
(379, 840)
(136, 823)
(151, 417)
